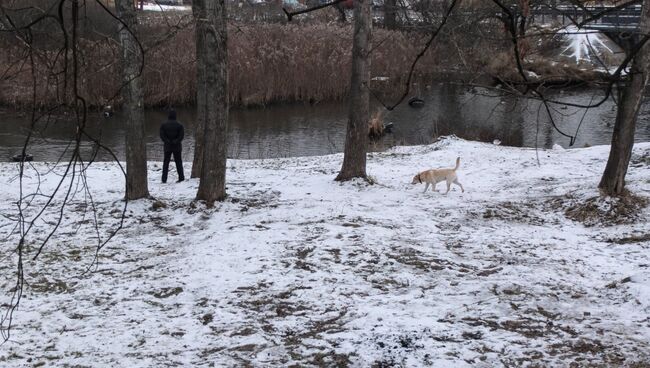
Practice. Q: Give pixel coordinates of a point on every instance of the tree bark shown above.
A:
(131, 59)
(630, 99)
(211, 24)
(201, 103)
(356, 138)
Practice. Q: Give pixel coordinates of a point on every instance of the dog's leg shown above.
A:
(459, 184)
(433, 187)
(448, 186)
(426, 187)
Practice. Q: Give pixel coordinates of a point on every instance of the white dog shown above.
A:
(435, 176)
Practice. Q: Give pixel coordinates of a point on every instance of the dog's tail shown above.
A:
(457, 163)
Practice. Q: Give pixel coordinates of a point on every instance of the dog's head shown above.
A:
(417, 179)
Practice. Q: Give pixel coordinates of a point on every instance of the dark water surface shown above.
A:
(303, 130)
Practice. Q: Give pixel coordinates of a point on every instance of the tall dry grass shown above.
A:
(268, 63)
(376, 124)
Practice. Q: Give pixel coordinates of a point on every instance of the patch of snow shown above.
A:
(582, 43)
(297, 269)
(531, 74)
(164, 8)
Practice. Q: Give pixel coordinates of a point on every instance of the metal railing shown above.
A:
(623, 19)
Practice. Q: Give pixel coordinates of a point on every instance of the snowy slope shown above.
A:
(295, 268)
(584, 44)
(589, 48)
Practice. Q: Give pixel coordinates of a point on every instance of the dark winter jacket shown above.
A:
(172, 133)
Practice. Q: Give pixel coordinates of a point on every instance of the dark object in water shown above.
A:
(19, 157)
(416, 102)
(388, 128)
(108, 111)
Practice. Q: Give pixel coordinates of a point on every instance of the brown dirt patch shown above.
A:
(606, 211)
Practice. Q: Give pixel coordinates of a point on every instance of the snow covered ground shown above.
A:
(526, 268)
(584, 43)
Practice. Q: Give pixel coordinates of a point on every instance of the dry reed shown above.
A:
(376, 125)
(268, 63)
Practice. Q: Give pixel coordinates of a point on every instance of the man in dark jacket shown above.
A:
(172, 133)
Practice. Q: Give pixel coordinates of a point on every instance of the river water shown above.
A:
(304, 130)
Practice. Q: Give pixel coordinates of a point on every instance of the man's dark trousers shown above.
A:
(179, 165)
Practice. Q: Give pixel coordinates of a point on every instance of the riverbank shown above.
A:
(527, 266)
(307, 62)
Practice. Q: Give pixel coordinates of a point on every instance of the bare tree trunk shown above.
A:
(211, 22)
(131, 61)
(554, 17)
(390, 14)
(201, 94)
(356, 138)
(613, 179)
(341, 10)
(524, 43)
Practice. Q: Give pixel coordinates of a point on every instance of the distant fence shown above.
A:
(620, 19)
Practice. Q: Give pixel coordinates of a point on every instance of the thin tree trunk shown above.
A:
(341, 10)
(356, 138)
(212, 24)
(133, 96)
(201, 94)
(613, 179)
(390, 14)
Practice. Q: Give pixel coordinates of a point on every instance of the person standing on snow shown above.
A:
(172, 133)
